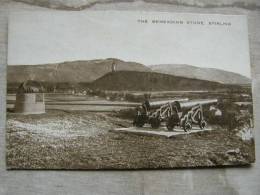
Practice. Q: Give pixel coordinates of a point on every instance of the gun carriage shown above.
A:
(174, 113)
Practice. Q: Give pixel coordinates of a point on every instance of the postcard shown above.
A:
(128, 90)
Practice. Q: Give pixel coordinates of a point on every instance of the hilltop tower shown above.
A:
(113, 67)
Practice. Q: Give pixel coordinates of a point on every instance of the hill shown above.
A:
(69, 72)
(209, 74)
(151, 81)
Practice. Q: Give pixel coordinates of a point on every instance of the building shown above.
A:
(30, 98)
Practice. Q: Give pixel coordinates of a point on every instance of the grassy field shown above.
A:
(81, 140)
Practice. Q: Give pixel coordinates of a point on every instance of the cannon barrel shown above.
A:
(190, 104)
(158, 104)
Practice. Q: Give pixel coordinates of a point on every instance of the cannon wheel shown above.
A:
(187, 126)
(170, 124)
(155, 123)
(139, 121)
(202, 124)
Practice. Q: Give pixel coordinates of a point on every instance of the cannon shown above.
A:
(149, 112)
(176, 112)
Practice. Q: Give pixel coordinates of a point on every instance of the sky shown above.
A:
(213, 41)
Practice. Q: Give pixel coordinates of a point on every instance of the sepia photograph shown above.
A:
(128, 90)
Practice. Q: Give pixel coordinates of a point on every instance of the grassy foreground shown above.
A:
(81, 140)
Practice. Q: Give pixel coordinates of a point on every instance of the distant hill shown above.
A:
(151, 81)
(128, 76)
(209, 74)
(69, 72)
